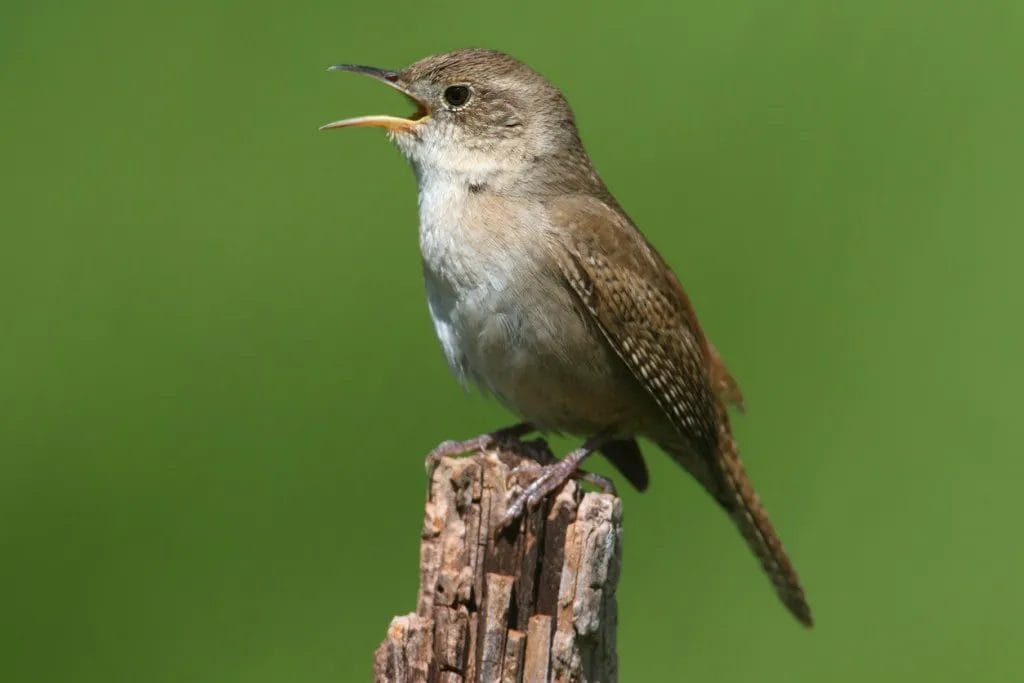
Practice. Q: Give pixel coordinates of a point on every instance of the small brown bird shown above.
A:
(544, 293)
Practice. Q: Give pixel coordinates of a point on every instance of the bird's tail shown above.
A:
(741, 501)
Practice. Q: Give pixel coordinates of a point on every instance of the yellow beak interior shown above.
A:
(392, 123)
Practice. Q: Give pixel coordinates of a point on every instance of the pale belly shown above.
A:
(523, 339)
(508, 323)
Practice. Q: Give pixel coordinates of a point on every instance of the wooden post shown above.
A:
(534, 603)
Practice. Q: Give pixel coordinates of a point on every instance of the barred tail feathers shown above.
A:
(753, 523)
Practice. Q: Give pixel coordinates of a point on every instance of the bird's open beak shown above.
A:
(392, 123)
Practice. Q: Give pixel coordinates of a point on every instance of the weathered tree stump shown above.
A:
(533, 603)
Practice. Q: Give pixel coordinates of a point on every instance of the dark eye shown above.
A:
(456, 95)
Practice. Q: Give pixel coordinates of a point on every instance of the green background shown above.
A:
(218, 378)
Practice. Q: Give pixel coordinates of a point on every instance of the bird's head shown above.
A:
(476, 112)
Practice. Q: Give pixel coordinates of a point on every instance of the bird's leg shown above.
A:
(538, 451)
(508, 436)
(553, 476)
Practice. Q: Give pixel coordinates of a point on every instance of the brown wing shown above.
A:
(642, 311)
(722, 382)
(647, 319)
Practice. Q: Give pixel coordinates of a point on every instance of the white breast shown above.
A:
(505, 324)
(469, 280)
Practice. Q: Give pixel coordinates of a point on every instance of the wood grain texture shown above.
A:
(534, 603)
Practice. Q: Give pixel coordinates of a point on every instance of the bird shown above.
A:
(545, 294)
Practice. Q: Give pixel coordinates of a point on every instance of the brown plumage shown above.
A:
(544, 293)
(647, 318)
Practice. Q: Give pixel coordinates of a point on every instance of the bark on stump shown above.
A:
(534, 603)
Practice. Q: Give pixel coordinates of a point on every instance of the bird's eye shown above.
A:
(456, 95)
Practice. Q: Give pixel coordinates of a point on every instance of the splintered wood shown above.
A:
(532, 604)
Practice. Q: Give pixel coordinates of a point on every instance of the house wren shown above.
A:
(544, 293)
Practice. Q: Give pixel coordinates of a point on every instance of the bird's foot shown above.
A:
(594, 479)
(552, 477)
(507, 437)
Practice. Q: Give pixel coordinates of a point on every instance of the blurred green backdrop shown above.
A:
(218, 377)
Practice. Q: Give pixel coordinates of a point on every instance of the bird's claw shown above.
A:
(604, 483)
(448, 449)
(529, 498)
(551, 478)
